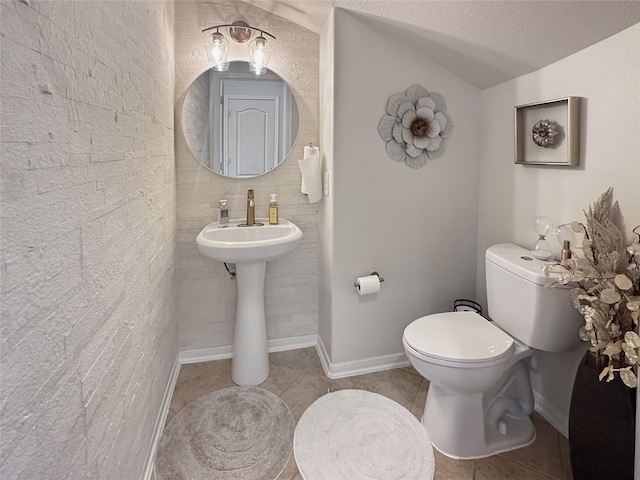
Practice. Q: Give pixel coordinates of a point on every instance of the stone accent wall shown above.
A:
(88, 332)
(206, 295)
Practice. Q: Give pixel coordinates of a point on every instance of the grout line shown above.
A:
(287, 387)
(529, 467)
(413, 404)
(412, 371)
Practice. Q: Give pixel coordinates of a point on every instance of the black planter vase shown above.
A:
(602, 421)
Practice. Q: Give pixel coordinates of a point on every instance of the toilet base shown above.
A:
(457, 429)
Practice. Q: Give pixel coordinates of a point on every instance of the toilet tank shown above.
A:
(542, 318)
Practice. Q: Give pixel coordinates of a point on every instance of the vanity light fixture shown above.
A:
(217, 46)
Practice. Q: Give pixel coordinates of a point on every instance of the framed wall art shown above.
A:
(548, 133)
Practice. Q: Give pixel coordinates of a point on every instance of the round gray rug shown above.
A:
(238, 433)
(357, 435)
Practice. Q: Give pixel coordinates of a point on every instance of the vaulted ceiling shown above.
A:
(485, 42)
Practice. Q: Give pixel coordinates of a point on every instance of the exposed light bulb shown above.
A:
(217, 51)
(260, 52)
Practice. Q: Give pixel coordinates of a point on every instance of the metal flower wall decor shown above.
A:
(416, 127)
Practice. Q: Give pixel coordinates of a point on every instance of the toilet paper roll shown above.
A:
(368, 284)
(311, 176)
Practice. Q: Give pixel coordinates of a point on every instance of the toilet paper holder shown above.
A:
(355, 284)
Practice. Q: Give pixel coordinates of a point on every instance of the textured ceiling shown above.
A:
(484, 42)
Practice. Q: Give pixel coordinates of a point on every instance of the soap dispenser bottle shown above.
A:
(223, 214)
(273, 210)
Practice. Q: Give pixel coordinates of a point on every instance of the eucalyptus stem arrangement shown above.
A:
(606, 280)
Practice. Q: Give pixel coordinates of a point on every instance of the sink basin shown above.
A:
(249, 248)
(235, 244)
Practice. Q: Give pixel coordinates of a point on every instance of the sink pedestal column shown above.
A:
(250, 363)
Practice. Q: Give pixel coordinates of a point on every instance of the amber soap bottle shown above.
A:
(273, 210)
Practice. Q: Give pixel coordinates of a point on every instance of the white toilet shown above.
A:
(480, 397)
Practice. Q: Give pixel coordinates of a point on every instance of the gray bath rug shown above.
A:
(238, 433)
(357, 435)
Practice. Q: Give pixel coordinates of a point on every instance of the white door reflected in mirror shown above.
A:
(249, 136)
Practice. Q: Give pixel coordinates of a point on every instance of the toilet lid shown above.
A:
(458, 337)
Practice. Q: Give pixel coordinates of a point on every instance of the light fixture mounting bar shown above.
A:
(241, 26)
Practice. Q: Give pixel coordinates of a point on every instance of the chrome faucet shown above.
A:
(251, 211)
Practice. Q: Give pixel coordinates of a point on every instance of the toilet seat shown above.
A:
(463, 339)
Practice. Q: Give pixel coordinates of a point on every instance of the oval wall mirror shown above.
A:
(239, 124)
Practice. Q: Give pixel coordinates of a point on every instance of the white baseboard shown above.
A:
(323, 356)
(359, 367)
(557, 419)
(292, 343)
(205, 354)
(162, 416)
(218, 353)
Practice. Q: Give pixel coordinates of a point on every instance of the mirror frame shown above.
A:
(294, 136)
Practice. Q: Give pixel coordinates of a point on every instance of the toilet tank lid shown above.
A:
(518, 261)
(458, 336)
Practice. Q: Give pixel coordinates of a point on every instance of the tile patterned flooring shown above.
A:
(297, 377)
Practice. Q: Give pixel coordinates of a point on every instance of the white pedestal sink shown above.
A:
(249, 248)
